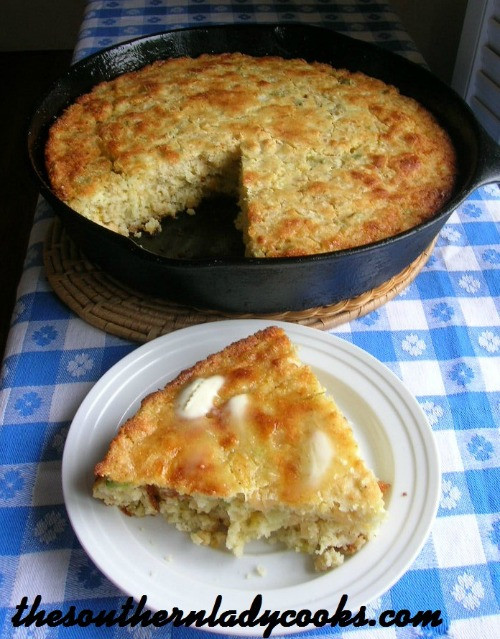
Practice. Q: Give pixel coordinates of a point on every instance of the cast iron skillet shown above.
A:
(200, 263)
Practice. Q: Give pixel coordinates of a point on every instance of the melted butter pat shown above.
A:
(237, 407)
(197, 399)
(320, 456)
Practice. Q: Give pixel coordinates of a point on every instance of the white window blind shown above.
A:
(477, 70)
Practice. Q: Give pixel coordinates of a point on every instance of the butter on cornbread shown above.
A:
(319, 159)
(246, 445)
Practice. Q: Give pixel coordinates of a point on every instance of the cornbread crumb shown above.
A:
(320, 159)
(259, 571)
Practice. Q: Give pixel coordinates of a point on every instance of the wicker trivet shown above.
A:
(104, 302)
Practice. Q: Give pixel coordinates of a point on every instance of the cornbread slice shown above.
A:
(246, 445)
(320, 158)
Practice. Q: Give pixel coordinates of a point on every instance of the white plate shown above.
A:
(146, 556)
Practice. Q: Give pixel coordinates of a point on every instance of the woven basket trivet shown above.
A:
(105, 303)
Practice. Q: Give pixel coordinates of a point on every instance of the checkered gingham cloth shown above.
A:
(440, 336)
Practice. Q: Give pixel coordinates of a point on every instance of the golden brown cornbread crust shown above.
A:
(156, 446)
(288, 466)
(320, 159)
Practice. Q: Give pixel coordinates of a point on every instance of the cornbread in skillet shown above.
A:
(246, 445)
(320, 159)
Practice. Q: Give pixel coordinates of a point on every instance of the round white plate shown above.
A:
(147, 556)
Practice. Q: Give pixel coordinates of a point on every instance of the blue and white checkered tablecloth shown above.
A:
(441, 337)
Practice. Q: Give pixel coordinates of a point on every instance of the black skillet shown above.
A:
(198, 261)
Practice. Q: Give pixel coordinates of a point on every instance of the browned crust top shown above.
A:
(266, 455)
(329, 159)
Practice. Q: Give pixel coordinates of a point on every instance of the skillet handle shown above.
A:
(489, 159)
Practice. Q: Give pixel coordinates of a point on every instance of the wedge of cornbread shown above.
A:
(246, 445)
(319, 158)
